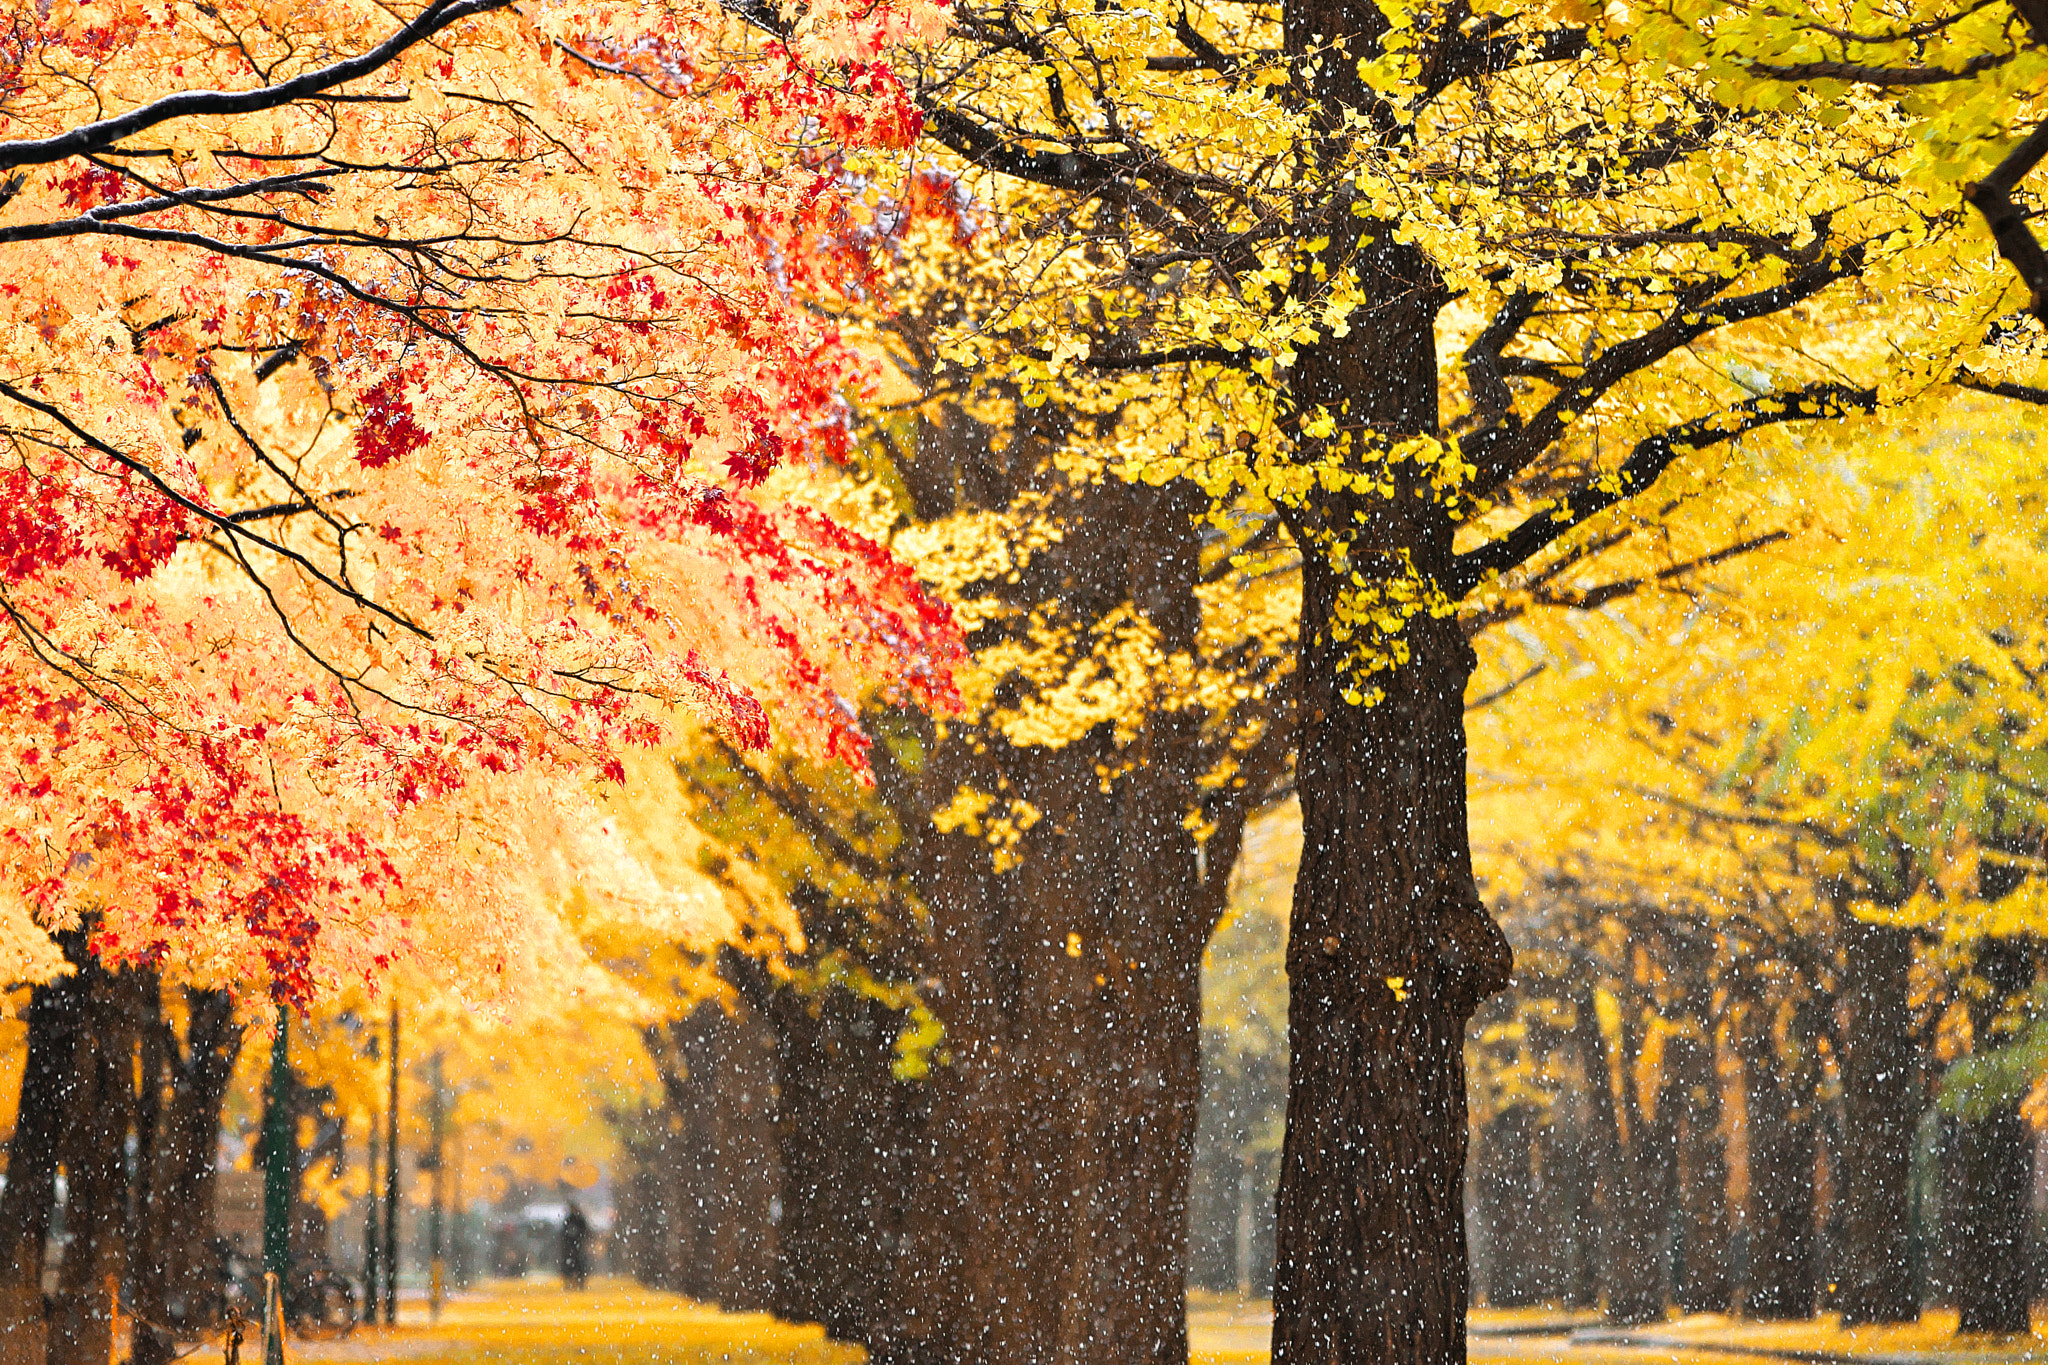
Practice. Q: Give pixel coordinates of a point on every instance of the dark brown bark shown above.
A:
(1389, 947)
(1703, 1282)
(100, 1107)
(57, 1020)
(1389, 951)
(848, 1134)
(1054, 1223)
(1992, 1161)
(187, 1156)
(1779, 1079)
(1881, 1089)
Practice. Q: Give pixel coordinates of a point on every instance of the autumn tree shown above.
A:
(1041, 871)
(1447, 292)
(388, 404)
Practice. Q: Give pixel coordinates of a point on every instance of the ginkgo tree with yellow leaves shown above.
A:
(1471, 301)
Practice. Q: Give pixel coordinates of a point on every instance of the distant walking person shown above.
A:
(575, 1249)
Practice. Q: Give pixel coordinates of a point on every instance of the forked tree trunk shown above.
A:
(1881, 1087)
(1389, 947)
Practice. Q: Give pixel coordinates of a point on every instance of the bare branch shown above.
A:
(103, 135)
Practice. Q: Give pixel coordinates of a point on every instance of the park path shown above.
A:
(613, 1323)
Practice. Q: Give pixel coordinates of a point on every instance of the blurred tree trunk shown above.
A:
(1703, 1282)
(151, 1340)
(1512, 1211)
(1570, 1166)
(1780, 1108)
(1992, 1158)
(1637, 1142)
(718, 1075)
(187, 1158)
(847, 1132)
(1881, 1085)
(1052, 1218)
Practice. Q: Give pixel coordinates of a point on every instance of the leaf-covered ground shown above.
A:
(614, 1323)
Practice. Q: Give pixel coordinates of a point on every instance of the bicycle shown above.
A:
(319, 1301)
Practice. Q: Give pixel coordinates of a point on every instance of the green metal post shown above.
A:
(391, 1181)
(279, 1156)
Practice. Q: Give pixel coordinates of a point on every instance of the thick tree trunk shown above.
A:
(1780, 1109)
(1389, 948)
(1389, 951)
(56, 1029)
(1881, 1087)
(1703, 1283)
(187, 1158)
(848, 1134)
(1993, 1161)
(100, 1107)
(1053, 1228)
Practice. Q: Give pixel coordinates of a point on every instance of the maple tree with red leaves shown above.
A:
(402, 415)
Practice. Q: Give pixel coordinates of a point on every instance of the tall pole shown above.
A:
(373, 1234)
(391, 1181)
(278, 1160)
(436, 1268)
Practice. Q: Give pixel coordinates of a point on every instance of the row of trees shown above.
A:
(1265, 359)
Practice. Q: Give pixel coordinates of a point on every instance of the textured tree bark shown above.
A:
(847, 1132)
(1881, 1089)
(56, 1025)
(100, 1107)
(182, 1188)
(1993, 1160)
(1389, 951)
(1389, 947)
(1702, 1279)
(1779, 1105)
